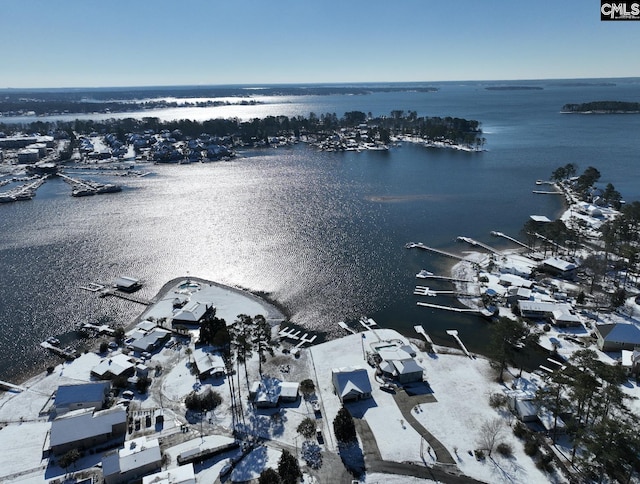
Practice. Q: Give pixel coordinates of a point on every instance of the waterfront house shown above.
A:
(86, 395)
(138, 458)
(559, 267)
(351, 383)
(190, 316)
(616, 337)
(151, 341)
(560, 314)
(114, 366)
(85, 428)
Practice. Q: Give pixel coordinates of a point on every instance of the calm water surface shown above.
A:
(323, 233)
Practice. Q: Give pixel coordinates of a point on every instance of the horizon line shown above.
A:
(315, 84)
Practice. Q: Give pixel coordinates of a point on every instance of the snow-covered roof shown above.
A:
(514, 280)
(85, 423)
(351, 381)
(395, 353)
(135, 454)
(114, 365)
(126, 282)
(540, 218)
(179, 475)
(85, 392)
(289, 389)
(151, 339)
(206, 362)
(192, 312)
(620, 333)
(559, 264)
(405, 367)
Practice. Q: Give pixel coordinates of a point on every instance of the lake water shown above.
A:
(323, 233)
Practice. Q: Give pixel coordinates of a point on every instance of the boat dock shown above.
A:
(511, 239)
(454, 333)
(475, 243)
(296, 335)
(125, 295)
(66, 353)
(425, 291)
(102, 329)
(368, 323)
(10, 386)
(344, 326)
(93, 287)
(429, 275)
(420, 245)
(543, 192)
(420, 330)
(448, 308)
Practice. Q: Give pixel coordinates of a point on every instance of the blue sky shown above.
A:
(91, 43)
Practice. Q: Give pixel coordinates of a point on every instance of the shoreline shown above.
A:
(275, 309)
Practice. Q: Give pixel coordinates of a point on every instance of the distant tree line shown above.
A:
(453, 129)
(603, 107)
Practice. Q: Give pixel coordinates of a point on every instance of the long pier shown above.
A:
(476, 243)
(454, 333)
(126, 296)
(511, 239)
(420, 245)
(425, 291)
(448, 308)
(424, 275)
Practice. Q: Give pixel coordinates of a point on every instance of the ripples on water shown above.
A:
(323, 233)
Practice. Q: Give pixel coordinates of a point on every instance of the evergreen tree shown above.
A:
(344, 427)
(288, 468)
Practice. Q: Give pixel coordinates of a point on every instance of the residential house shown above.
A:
(86, 395)
(183, 474)
(191, 314)
(138, 458)
(85, 428)
(351, 383)
(618, 336)
(113, 367)
(559, 267)
(208, 364)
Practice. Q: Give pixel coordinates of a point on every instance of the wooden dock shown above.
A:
(425, 291)
(344, 326)
(454, 333)
(368, 323)
(420, 245)
(448, 308)
(126, 296)
(511, 239)
(420, 330)
(424, 275)
(102, 329)
(66, 353)
(10, 386)
(476, 243)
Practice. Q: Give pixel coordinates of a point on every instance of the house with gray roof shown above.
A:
(85, 428)
(616, 337)
(91, 395)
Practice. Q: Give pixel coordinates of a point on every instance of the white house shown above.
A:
(139, 457)
(351, 383)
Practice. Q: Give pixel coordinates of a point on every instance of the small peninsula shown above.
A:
(603, 107)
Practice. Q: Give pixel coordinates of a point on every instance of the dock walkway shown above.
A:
(495, 233)
(454, 333)
(425, 275)
(420, 245)
(420, 330)
(448, 308)
(476, 243)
